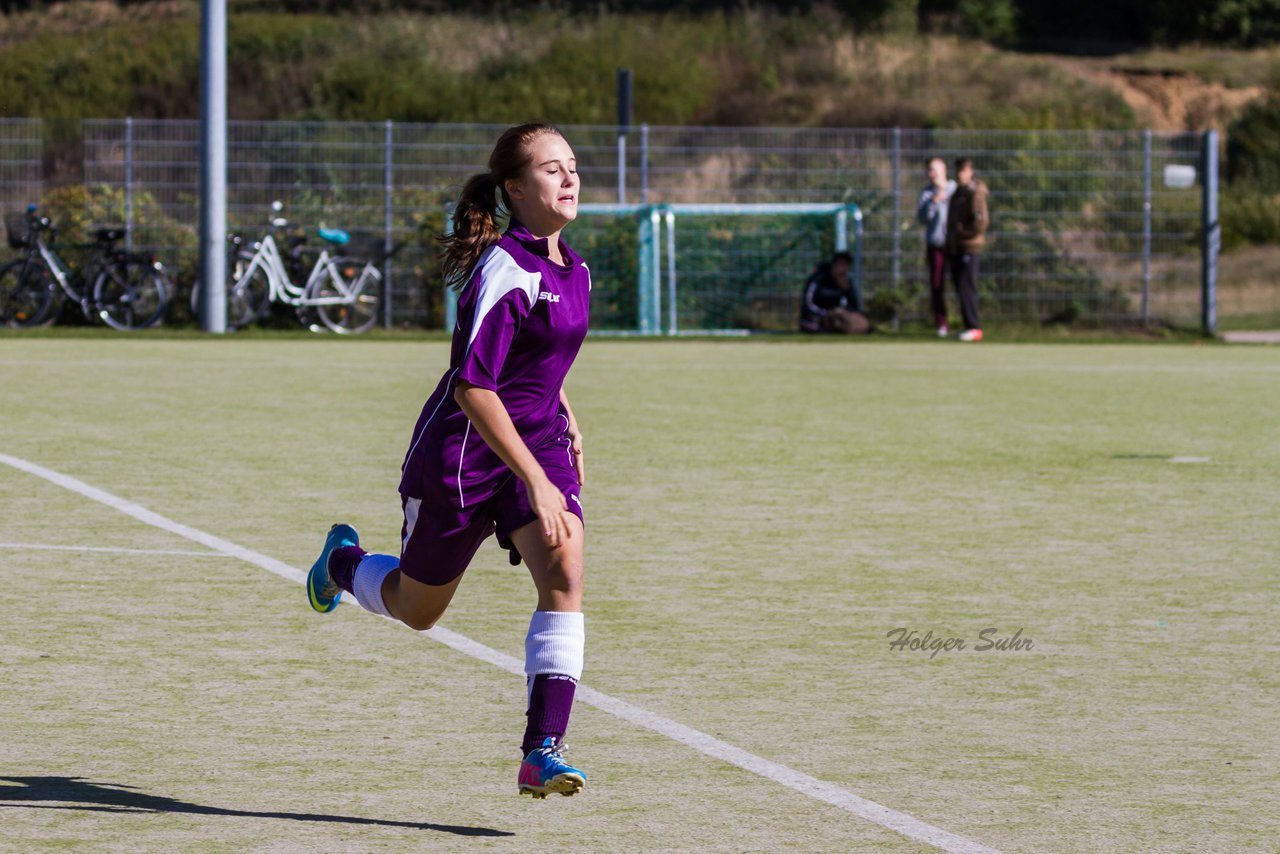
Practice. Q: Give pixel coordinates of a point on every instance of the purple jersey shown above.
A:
(521, 321)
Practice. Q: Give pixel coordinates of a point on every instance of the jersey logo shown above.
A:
(548, 296)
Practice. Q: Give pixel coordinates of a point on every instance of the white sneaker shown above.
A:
(942, 331)
(971, 335)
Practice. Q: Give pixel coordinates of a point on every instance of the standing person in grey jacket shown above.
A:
(932, 214)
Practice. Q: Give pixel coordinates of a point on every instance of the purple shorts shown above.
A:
(438, 539)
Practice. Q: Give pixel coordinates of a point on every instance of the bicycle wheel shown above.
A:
(131, 294)
(248, 292)
(26, 295)
(352, 307)
(248, 295)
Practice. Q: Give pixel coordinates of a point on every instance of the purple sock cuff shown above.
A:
(343, 563)
(550, 702)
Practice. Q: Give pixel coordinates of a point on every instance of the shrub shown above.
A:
(1253, 145)
(1249, 215)
(995, 21)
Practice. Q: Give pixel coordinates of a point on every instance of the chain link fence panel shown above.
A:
(1085, 226)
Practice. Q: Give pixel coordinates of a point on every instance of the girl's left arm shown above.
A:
(575, 436)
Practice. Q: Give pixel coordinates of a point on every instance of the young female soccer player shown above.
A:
(497, 447)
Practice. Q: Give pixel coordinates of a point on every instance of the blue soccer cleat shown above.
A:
(323, 594)
(544, 771)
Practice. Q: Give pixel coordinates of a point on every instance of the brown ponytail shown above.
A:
(475, 226)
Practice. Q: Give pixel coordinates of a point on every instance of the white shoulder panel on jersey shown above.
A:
(499, 276)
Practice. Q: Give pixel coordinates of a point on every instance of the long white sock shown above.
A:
(366, 582)
(555, 643)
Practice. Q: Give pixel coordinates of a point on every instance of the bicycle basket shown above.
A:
(18, 225)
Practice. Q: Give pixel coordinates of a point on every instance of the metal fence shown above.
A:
(1084, 224)
(21, 163)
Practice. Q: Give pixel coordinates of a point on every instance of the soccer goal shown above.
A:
(741, 267)
(700, 269)
(705, 269)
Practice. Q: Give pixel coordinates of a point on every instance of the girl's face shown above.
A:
(545, 197)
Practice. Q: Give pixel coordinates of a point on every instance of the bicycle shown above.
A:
(344, 291)
(124, 290)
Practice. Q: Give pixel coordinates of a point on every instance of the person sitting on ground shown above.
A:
(831, 303)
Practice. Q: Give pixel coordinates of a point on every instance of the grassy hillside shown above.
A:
(94, 59)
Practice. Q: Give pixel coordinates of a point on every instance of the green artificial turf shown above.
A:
(761, 515)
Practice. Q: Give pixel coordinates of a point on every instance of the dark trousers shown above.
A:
(936, 259)
(964, 272)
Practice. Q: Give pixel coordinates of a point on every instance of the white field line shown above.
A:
(899, 822)
(43, 547)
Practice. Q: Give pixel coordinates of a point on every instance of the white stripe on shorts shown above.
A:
(461, 456)
(569, 449)
(411, 507)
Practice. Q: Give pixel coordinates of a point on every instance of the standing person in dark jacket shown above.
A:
(967, 221)
(831, 302)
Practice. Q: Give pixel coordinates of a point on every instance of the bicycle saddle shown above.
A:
(109, 235)
(334, 235)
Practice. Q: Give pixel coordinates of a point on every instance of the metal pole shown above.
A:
(622, 169)
(671, 273)
(213, 165)
(897, 230)
(624, 127)
(842, 245)
(1211, 234)
(1146, 226)
(857, 252)
(655, 219)
(644, 164)
(128, 183)
(386, 236)
(450, 295)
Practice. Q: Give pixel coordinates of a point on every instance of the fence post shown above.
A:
(624, 127)
(386, 237)
(1211, 234)
(897, 225)
(128, 183)
(1146, 226)
(644, 164)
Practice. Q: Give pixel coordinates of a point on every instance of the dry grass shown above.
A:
(85, 17)
(755, 68)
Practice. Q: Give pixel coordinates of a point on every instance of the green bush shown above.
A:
(1242, 22)
(1249, 216)
(995, 21)
(1253, 145)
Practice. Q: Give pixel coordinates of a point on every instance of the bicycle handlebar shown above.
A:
(38, 223)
